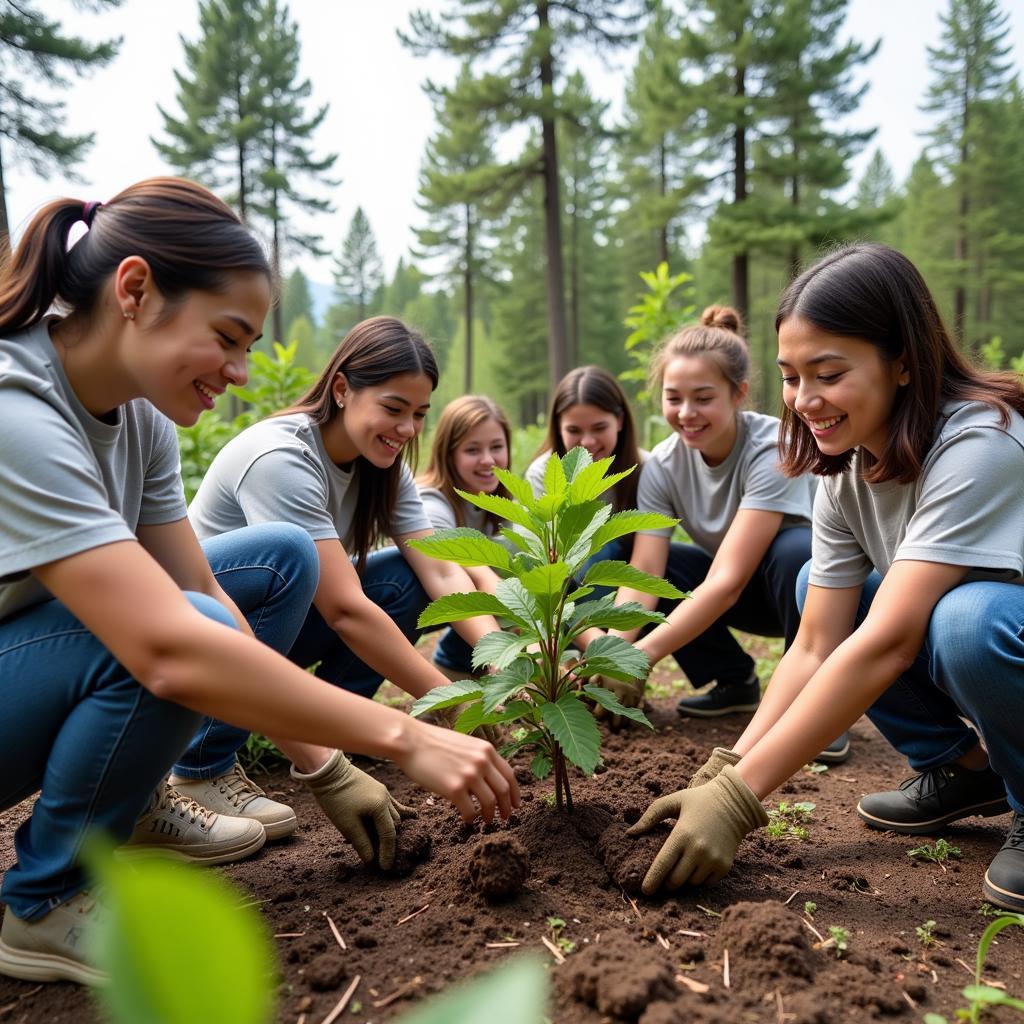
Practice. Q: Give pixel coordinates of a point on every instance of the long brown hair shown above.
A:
(873, 293)
(190, 239)
(373, 352)
(458, 418)
(592, 385)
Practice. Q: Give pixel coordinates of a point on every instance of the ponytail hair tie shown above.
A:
(89, 211)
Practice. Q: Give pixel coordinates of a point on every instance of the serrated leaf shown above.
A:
(611, 703)
(580, 594)
(514, 596)
(508, 749)
(463, 546)
(613, 573)
(548, 505)
(499, 687)
(498, 648)
(587, 484)
(514, 711)
(519, 488)
(576, 528)
(605, 614)
(575, 731)
(541, 765)
(514, 537)
(546, 580)
(449, 696)
(554, 477)
(623, 523)
(575, 461)
(504, 508)
(590, 489)
(615, 658)
(456, 607)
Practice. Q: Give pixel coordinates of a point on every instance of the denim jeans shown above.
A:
(767, 607)
(80, 730)
(971, 666)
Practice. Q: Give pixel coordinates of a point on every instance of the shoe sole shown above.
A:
(31, 966)
(1013, 901)
(835, 756)
(923, 828)
(687, 712)
(279, 829)
(207, 857)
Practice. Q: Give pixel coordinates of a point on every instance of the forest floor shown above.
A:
(750, 949)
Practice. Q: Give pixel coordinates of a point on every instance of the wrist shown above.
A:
(398, 741)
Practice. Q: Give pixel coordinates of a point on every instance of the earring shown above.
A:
(128, 315)
(341, 404)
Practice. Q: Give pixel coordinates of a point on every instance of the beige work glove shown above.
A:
(348, 796)
(630, 695)
(720, 757)
(711, 820)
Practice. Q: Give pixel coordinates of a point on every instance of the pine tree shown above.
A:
(296, 300)
(34, 48)
(969, 71)
(531, 39)
(877, 196)
(358, 271)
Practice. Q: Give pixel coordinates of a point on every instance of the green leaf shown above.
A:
(590, 481)
(519, 488)
(519, 601)
(548, 505)
(463, 546)
(576, 528)
(1005, 921)
(498, 648)
(606, 614)
(611, 703)
(456, 607)
(623, 523)
(613, 657)
(450, 696)
(515, 993)
(622, 574)
(991, 996)
(578, 595)
(499, 687)
(514, 711)
(554, 477)
(166, 918)
(519, 540)
(575, 731)
(504, 508)
(546, 580)
(575, 461)
(541, 764)
(508, 749)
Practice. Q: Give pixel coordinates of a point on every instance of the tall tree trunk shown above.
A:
(467, 301)
(740, 260)
(794, 199)
(574, 268)
(243, 211)
(275, 215)
(558, 361)
(960, 245)
(663, 191)
(5, 230)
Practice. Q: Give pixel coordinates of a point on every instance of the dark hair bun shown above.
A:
(721, 316)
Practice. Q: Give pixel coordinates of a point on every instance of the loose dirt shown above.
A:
(465, 898)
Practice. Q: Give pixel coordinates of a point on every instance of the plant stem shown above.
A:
(559, 773)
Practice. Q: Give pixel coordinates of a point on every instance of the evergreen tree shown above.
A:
(877, 195)
(296, 300)
(969, 70)
(402, 289)
(34, 48)
(358, 271)
(531, 39)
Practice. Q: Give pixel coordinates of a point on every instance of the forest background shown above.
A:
(574, 144)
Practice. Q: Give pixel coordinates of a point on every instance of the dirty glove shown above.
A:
(720, 757)
(347, 796)
(630, 694)
(710, 822)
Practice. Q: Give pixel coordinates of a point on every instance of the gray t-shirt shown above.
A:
(535, 476)
(68, 481)
(277, 470)
(966, 507)
(442, 515)
(677, 482)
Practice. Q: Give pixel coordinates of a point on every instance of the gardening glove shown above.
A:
(720, 757)
(630, 694)
(347, 796)
(446, 717)
(710, 822)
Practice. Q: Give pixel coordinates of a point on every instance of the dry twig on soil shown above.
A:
(339, 1009)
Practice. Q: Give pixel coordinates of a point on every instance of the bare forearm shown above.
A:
(689, 619)
(625, 594)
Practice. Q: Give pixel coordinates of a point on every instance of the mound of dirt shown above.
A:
(766, 942)
(499, 866)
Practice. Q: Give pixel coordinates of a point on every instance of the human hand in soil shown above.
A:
(720, 757)
(349, 797)
(710, 822)
(630, 694)
(462, 769)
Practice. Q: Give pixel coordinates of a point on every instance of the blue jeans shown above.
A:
(971, 665)
(454, 654)
(271, 572)
(80, 730)
(767, 607)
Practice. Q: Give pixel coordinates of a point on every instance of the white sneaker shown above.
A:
(236, 794)
(176, 826)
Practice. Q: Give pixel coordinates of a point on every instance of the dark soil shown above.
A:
(465, 898)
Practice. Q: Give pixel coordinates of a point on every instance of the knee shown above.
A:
(294, 548)
(211, 608)
(802, 583)
(975, 625)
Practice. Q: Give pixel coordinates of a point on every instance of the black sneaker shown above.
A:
(837, 751)
(935, 798)
(1004, 880)
(722, 699)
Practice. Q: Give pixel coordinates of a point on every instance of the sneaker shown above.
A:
(837, 751)
(53, 948)
(1004, 880)
(236, 794)
(176, 826)
(935, 798)
(722, 699)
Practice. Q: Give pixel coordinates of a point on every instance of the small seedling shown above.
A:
(938, 852)
(809, 909)
(355, 1007)
(785, 821)
(557, 926)
(925, 934)
(815, 768)
(840, 938)
(987, 910)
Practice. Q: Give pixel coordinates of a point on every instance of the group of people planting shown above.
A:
(878, 528)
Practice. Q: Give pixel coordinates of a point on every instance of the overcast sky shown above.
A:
(379, 118)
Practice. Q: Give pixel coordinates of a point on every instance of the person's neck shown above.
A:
(90, 357)
(338, 445)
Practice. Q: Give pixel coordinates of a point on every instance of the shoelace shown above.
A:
(929, 783)
(1015, 837)
(183, 806)
(238, 787)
